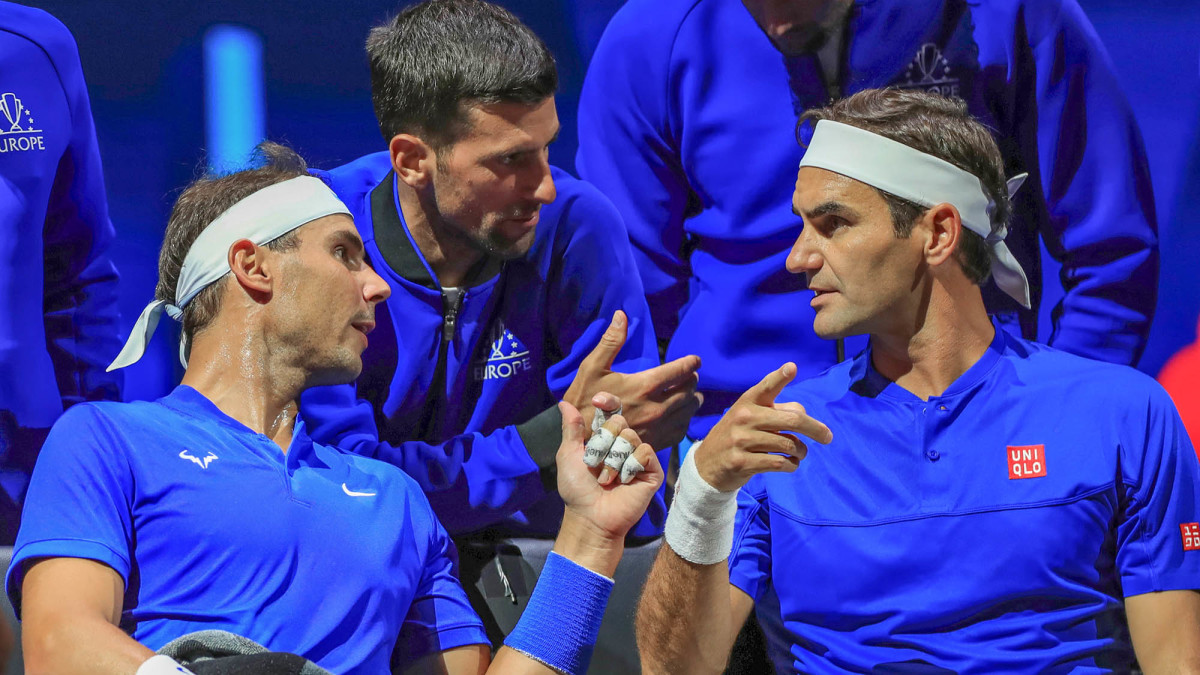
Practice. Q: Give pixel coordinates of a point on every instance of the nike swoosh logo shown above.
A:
(352, 493)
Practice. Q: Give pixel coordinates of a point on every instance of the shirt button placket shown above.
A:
(931, 426)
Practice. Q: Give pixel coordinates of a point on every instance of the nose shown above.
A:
(545, 192)
(804, 258)
(375, 289)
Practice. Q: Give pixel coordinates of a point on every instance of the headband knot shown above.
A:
(261, 218)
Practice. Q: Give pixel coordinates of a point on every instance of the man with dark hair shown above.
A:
(213, 509)
(977, 502)
(505, 273)
(679, 90)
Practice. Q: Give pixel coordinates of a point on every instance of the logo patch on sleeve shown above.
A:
(1026, 461)
(1191, 536)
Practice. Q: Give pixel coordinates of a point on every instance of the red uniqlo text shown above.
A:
(1191, 536)
(1026, 461)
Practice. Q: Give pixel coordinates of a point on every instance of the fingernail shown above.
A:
(605, 476)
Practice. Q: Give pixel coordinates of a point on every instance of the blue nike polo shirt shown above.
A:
(318, 552)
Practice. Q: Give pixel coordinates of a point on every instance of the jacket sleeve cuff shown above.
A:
(542, 435)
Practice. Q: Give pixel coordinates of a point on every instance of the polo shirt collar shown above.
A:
(187, 401)
(868, 382)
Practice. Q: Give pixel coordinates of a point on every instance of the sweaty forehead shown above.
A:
(815, 186)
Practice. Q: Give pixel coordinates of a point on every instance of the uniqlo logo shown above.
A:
(1191, 536)
(1026, 461)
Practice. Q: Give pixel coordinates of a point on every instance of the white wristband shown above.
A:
(162, 665)
(700, 523)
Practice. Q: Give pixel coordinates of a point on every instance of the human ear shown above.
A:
(412, 159)
(944, 227)
(250, 267)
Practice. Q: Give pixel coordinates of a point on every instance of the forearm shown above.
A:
(685, 618)
(582, 544)
(558, 630)
(59, 645)
(1165, 629)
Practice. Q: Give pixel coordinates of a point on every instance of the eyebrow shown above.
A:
(828, 209)
(349, 237)
(522, 150)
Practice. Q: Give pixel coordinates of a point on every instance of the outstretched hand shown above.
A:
(611, 506)
(755, 435)
(658, 402)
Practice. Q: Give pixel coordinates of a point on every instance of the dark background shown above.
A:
(144, 66)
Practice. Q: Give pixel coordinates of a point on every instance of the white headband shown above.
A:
(922, 179)
(260, 218)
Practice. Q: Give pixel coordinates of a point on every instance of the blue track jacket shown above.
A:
(58, 300)
(687, 123)
(460, 390)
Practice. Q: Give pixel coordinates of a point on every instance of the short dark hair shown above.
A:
(938, 126)
(199, 205)
(437, 58)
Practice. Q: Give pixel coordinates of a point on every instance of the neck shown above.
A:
(450, 253)
(261, 393)
(936, 347)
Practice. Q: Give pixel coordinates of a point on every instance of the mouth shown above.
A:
(528, 219)
(525, 214)
(363, 327)
(819, 293)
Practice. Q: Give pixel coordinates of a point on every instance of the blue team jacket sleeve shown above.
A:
(80, 294)
(750, 559)
(1096, 181)
(626, 150)
(1158, 533)
(593, 276)
(79, 499)
(440, 617)
(472, 480)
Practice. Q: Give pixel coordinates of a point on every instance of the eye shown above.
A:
(339, 252)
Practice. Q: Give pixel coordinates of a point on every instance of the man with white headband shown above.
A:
(973, 502)
(213, 509)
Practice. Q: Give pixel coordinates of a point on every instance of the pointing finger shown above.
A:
(768, 388)
(803, 423)
(672, 374)
(602, 356)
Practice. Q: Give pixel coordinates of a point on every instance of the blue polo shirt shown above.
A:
(994, 528)
(318, 552)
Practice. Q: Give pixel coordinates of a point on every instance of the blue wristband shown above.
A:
(561, 622)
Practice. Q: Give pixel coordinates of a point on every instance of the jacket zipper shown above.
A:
(452, 300)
